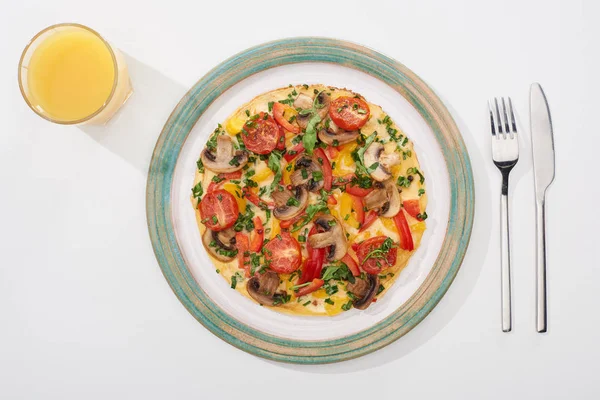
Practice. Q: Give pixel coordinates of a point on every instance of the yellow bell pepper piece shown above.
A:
(344, 164)
(336, 307)
(263, 175)
(275, 229)
(235, 124)
(345, 202)
(418, 227)
(237, 194)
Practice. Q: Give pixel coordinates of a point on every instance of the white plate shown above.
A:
(312, 328)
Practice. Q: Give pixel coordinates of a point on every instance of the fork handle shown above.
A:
(541, 265)
(505, 257)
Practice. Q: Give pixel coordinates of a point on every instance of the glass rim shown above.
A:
(115, 80)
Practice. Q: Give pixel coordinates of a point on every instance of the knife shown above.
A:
(542, 145)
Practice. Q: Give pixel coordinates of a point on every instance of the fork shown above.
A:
(505, 153)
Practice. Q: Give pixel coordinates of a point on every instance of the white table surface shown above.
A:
(86, 313)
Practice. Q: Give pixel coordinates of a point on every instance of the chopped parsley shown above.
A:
(200, 165)
(338, 271)
(235, 279)
(414, 170)
(311, 211)
(197, 190)
(244, 221)
(282, 298)
(274, 164)
(403, 181)
(359, 154)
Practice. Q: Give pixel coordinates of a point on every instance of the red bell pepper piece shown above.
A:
(352, 265)
(406, 240)
(231, 175)
(358, 206)
(312, 231)
(369, 219)
(281, 140)
(331, 200)
(314, 285)
(357, 190)
(325, 167)
(296, 150)
(307, 271)
(257, 235)
(243, 245)
(287, 223)
(278, 111)
(412, 207)
(318, 256)
(332, 152)
(257, 201)
(222, 178)
(314, 264)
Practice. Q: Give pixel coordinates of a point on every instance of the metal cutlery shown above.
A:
(542, 144)
(505, 153)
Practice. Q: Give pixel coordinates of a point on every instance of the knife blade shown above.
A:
(542, 147)
(542, 140)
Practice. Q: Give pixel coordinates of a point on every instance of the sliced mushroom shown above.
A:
(305, 102)
(303, 175)
(285, 208)
(220, 245)
(385, 199)
(341, 138)
(394, 202)
(332, 127)
(226, 158)
(364, 290)
(263, 287)
(331, 235)
(375, 153)
(323, 101)
(376, 200)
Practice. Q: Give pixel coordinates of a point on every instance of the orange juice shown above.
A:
(69, 74)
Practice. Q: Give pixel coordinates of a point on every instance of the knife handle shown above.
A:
(505, 261)
(541, 265)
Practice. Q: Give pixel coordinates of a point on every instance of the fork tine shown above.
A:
(505, 115)
(513, 121)
(493, 125)
(499, 120)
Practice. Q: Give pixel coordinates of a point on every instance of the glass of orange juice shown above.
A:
(68, 74)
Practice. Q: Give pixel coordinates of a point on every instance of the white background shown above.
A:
(86, 313)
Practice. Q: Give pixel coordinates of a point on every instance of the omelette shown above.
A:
(310, 200)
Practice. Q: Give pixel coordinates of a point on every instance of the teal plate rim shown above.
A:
(195, 103)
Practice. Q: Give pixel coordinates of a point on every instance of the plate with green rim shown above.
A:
(412, 105)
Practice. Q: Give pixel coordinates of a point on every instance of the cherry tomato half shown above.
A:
(261, 135)
(282, 254)
(370, 257)
(349, 113)
(218, 210)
